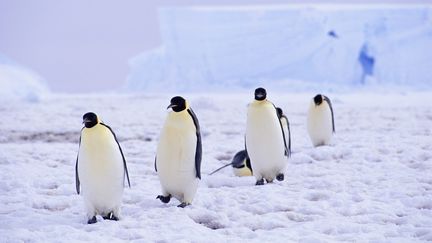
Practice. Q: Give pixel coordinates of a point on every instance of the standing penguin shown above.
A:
(240, 163)
(265, 140)
(286, 128)
(100, 169)
(321, 124)
(178, 157)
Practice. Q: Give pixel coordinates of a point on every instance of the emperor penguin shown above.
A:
(240, 163)
(320, 121)
(286, 128)
(178, 156)
(265, 140)
(100, 169)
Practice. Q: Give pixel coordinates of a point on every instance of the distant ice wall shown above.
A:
(19, 83)
(206, 47)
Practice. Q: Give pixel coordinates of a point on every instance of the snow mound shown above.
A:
(242, 47)
(19, 83)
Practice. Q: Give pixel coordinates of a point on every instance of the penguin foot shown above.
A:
(111, 216)
(280, 177)
(92, 220)
(164, 199)
(183, 205)
(260, 182)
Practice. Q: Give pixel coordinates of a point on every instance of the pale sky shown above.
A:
(85, 45)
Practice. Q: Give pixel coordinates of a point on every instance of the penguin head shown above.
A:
(318, 99)
(260, 94)
(279, 112)
(177, 104)
(90, 119)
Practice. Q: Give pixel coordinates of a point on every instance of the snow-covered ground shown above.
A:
(374, 184)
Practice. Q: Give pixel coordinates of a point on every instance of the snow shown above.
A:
(243, 47)
(373, 184)
(19, 83)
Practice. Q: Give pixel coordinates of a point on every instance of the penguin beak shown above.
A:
(171, 106)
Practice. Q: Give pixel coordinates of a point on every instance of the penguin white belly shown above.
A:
(320, 126)
(264, 141)
(176, 158)
(101, 171)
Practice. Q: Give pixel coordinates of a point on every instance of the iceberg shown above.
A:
(344, 45)
(19, 83)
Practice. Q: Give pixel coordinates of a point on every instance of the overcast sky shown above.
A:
(85, 45)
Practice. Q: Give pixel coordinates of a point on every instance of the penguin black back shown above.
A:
(260, 94)
(238, 160)
(90, 119)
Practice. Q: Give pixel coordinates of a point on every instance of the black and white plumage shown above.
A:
(100, 169)
(179, 153)
(321, 124)
(265, 140)
(240, 163)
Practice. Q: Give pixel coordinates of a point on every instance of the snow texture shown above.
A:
(243, 47)
(373, 184)
(19, 83)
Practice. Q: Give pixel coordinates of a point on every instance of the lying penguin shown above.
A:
(240, 163)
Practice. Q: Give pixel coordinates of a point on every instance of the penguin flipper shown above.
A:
(248, 161)
(287, 152)
(155, 164)
(220, 168)
(121, 152)
(198, 149)
(331, 109)
(77, 181)
(289, 136)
